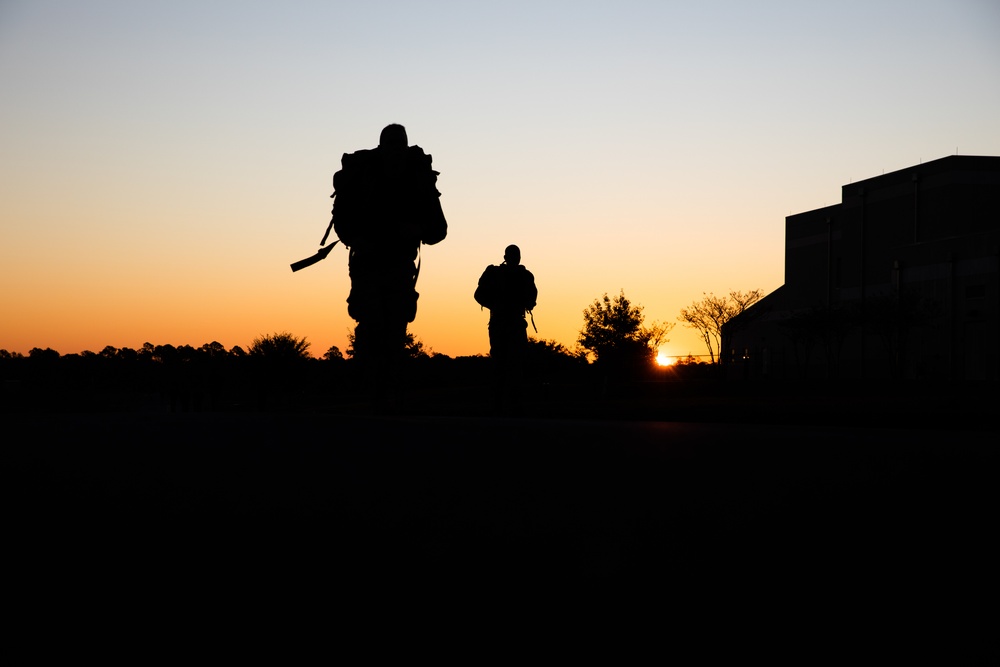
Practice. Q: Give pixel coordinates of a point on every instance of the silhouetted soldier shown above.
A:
(386, 205)
(509, 292)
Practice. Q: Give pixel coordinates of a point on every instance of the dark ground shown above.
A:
(838, 515)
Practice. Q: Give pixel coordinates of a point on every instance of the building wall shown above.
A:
(899, 280)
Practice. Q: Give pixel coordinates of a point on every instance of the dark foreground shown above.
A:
(324, 506)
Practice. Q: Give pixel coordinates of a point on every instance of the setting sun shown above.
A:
(663, 360)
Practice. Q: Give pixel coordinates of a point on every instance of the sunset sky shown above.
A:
(162, 163)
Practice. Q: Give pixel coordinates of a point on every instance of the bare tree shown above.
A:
(713, 318)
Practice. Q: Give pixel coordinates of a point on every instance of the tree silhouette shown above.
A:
(541, 348)
(549, 359)
(213, 350)
(613, 332)
(279, 347)
(333, 354)
(713, 318)
(413, 347)
(165, 354)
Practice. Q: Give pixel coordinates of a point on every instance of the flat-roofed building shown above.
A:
(898, 280)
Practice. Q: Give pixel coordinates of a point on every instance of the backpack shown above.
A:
(510, 290)
(373, 196)
(489, 287)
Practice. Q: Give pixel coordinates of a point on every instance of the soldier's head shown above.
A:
(393, 137)
(512, 255)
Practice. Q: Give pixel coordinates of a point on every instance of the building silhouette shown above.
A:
(899, 280)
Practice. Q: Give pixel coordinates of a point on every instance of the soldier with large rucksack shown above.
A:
(386, 204)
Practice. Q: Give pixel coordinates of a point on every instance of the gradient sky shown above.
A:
(162, 164)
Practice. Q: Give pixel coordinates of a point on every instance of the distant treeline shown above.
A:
(275, 371)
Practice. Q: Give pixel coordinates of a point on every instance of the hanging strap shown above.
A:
(532, 316)
(416, 274)
(328, 227)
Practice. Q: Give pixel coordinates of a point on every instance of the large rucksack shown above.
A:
(379, 197)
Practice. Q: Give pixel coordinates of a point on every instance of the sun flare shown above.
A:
(663, 360)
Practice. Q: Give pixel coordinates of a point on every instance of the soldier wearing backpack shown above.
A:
(386, 205)
(509, 292)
